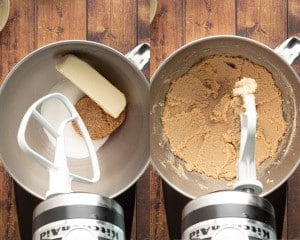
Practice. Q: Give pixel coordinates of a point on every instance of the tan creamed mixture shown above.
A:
(201, 123)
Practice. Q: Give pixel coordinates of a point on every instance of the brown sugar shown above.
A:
(98, 123)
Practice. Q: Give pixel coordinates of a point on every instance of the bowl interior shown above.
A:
(171, 168)
(124, 156)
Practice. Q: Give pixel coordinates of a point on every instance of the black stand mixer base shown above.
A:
(26, 203)
(175, 202)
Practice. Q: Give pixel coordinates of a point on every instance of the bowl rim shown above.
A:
(45, 47)
(174, 54)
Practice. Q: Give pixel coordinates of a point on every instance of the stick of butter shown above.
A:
(93, 84)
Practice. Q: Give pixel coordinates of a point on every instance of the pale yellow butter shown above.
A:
(93, 84)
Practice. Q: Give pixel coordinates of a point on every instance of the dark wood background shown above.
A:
(122, 24)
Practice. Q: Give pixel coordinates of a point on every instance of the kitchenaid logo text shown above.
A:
(208, 229)
(203, 232)
(58, 230)
(58, 233)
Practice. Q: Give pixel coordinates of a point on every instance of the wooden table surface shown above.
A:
(122, 24)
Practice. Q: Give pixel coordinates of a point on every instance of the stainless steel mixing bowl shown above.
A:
(170, 168)
(123, 158)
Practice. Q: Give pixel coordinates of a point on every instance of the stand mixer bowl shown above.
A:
(123, 158)
(171, 168)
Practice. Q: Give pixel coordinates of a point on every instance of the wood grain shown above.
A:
(166, 31)
(113, 23)
(8, 222)
(293, 207)
(158, 220)
(293, 204)
(265, 21)
(60, 20)
(17, 40)
(206, 18)
(143, 24)
(293, 17)
(143, 27)
(141, 230)
(166, 35)
(142, 216)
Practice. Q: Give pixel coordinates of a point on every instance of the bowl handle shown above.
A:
(140, 55)
(289, 50)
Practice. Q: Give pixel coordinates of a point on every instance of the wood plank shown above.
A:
(256, 20)
(158, 220)
(17, 38)
(142, 216)
(16, 41)
(285, 222)
(166, 31)
(60, 20)
(8, 222)
(143, 27)
(205, 18)
(113, 22)
(293, 209)
(294, 26)
(293, 18)
(143, 24)
(166, 35)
